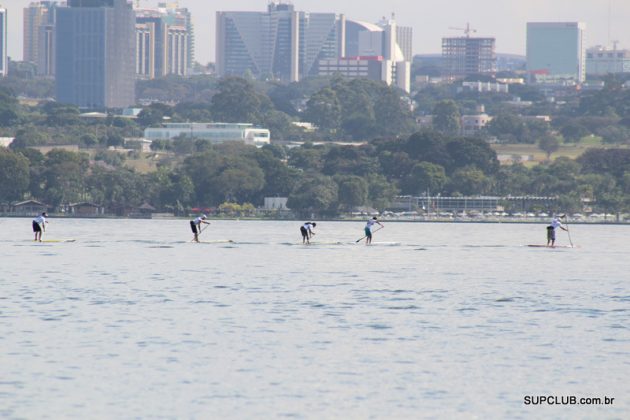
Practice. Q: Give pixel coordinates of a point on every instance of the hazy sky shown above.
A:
(430, 19)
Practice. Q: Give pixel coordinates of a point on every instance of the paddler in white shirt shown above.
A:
(551, 230)
(39, 226)
(196, 223)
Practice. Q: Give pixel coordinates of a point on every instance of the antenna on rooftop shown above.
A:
(610, 6)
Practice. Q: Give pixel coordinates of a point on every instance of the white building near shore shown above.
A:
(214, 132)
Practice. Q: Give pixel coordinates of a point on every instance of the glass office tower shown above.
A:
(556, 49)
(281, 43)
(95, 54)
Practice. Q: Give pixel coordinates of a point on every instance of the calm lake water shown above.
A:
(435, 320)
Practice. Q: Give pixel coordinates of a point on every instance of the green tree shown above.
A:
(349, 160)
(393, 116)
(154, 115)
(88, 140)
(237, 100)
(395, 165)
(549, 145)
(446, 117)
(510, 128)
(613, 161)
(110, 157)
(471, 152)
(425, 176)
(14, 175)
(381, 192)
(513, 180)
(279, 177)
(574, 131)
(615, 134)
(193, 111)
(119, 190)
(64, 176)
(352, 191)
(307, 157)
(9, 108)
(239, 179)
(313, 195)
(29, 136)
(556, 178)
(469, 181)
(61, 115)
(115, 140)
(429, 146)
(183, 145)
(160, 144)
(171, 189)
(324, 110)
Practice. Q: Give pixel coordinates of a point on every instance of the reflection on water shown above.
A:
(133, 320)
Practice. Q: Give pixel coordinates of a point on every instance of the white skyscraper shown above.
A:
(380, 51)
(556, 49)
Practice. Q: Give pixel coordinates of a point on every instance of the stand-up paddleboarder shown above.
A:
(307, 231)
(39, 226)
(368, 229)
(195, 224)
(551, 230)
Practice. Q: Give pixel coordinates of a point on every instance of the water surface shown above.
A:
(435, 320)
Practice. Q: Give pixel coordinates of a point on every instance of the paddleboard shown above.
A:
(217, 241)
(54, 241)
(545, 246)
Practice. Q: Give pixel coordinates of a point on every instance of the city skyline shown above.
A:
(493, 18)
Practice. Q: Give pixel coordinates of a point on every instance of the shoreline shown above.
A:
(507, 220)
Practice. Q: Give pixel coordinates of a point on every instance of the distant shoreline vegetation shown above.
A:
(388, 153)
(611, 220)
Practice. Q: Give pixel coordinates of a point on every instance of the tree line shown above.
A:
(318, 179)
(396, 157)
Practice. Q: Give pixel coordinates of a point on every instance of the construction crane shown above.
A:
(467, 30)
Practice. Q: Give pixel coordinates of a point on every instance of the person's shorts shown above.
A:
(551, 233)
(36, 227)
(193, 227)
(368, 232)
(304, 232)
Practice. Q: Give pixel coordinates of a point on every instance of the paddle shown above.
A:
(360, 239)
(566, 222)
(200, 231)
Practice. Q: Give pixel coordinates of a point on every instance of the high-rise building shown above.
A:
(381, 51)
(601, 61)
(190, 30)
(3, 42)
(39, 28)
(404, 38)
(95, 54)
(164, 41)
(466, 55)
(556, 49)
(280, 43)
